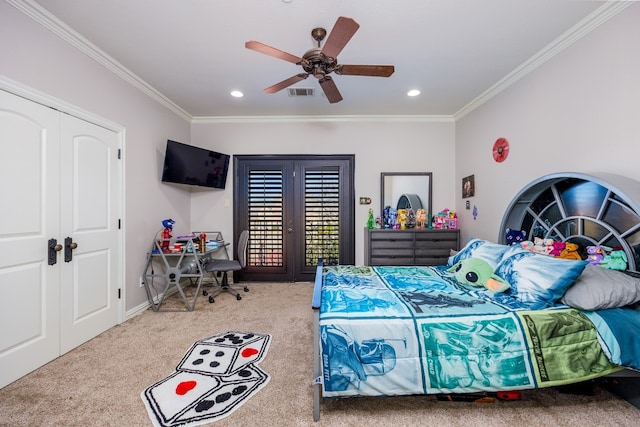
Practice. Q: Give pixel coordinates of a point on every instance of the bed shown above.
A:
(404, 330)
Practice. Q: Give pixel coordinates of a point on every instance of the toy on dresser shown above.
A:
(389, 217)
(371, 222)
(402, 219)
(421, 218)
(446, 219)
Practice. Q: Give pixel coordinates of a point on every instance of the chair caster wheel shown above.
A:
(204, 293)
(211, 300)
(246, 289)
(238, 297)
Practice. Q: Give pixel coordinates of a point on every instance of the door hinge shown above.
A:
(119, 293)
(119, 153)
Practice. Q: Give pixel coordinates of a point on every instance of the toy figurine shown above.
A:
(393, 218)
(402, 219)
(411, 218)
(389, 216)
(166, 234)
(370, 220)
(421, 218)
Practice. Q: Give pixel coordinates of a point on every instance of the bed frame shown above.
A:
(597, 209)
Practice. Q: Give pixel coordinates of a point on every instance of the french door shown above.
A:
(297, 209)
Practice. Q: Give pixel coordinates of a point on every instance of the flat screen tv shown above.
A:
(187, 164)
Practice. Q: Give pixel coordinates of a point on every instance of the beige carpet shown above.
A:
(99, 383)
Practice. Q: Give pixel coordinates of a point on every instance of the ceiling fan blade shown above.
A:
(340, 35)
(286, 83)
(366, 70)
(330, 89)
(272, 51)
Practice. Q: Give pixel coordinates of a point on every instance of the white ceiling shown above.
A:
(453, 51)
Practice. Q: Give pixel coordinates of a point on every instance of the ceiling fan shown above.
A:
(320, 62)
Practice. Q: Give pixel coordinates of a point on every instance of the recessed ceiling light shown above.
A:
(237, 94)
(413, 92)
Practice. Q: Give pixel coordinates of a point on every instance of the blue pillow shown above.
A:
(478, 248)
(537, 281)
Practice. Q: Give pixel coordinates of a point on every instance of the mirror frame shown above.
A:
(425, 195)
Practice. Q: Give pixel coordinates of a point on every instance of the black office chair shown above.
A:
(214, 265)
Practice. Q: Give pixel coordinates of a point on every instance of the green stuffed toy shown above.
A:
(615, 260)
(478, 273)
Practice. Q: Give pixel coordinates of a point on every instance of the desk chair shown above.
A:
(214, 265)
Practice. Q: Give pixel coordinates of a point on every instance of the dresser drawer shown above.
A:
(409, 247)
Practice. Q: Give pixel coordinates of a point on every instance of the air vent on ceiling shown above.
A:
(300, 91)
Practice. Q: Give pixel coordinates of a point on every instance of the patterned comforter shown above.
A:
(414, 330)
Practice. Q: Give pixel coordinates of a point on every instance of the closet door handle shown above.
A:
(69, 245)
(53, 247)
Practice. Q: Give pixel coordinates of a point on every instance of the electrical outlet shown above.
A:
(141, 282)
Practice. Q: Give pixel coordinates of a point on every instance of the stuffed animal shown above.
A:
(557, 248)
(477, 272)
(527, 244)
(616, 260)
(542, 246)
(570, 251)
(514, 237)
(595, 254)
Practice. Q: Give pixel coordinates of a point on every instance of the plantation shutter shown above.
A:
(322, 215)
(266, 218)
(297, 209)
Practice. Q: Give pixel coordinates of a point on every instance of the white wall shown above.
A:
(35, 57)
(578, 112)
(379, 146)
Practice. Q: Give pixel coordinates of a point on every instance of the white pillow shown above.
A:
(599, 288)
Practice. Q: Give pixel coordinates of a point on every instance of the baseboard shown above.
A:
(138, 310)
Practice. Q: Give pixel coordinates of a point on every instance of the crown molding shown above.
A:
(575, 33)
(332, 119)
(59, 28)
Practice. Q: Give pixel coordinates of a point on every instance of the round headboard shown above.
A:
(590, 210)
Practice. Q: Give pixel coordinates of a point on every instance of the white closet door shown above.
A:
(90, 191)
(59, 177)
(30, 216)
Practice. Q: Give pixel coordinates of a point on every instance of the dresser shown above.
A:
(409, 247)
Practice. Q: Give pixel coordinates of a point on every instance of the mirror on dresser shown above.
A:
(413, 185)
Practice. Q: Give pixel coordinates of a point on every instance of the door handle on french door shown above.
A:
(53, 248)
(69, 245)
(289, 230)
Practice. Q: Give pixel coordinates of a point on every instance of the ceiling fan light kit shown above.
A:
(322, 61)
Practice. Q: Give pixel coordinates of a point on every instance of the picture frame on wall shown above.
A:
(468, 186)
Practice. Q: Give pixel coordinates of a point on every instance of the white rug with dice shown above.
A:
(215, 377)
